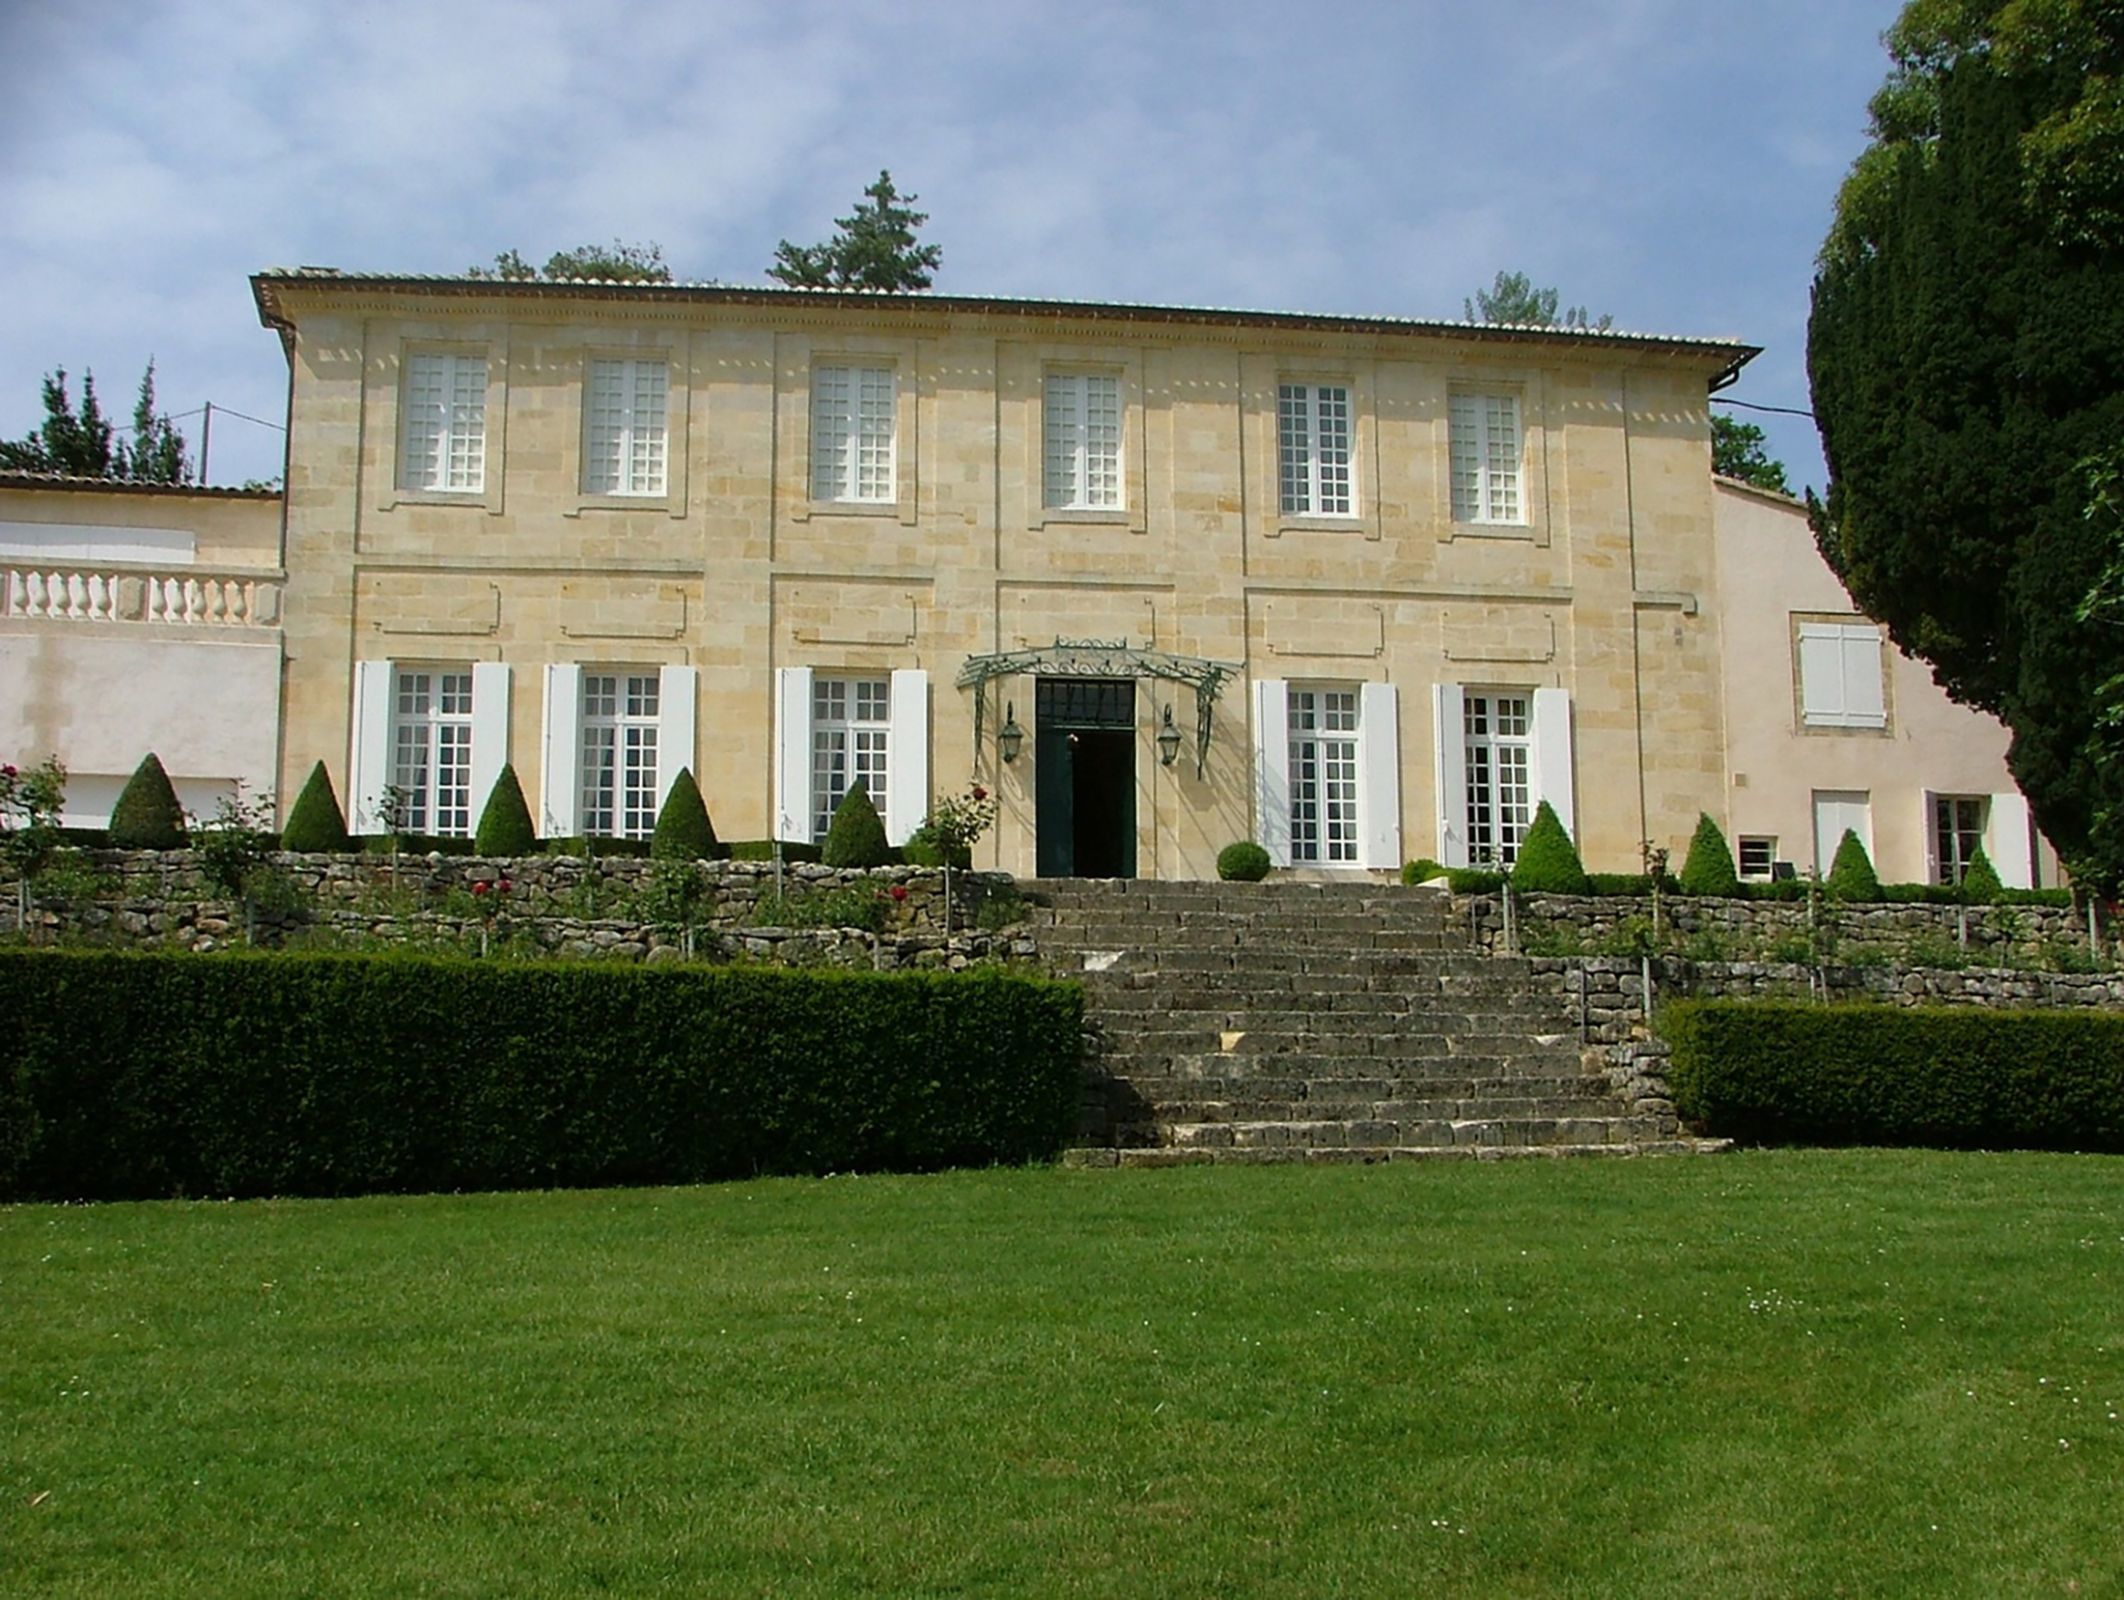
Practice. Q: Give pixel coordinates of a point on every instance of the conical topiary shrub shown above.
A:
(147, 816)
(316, 822)
(1851, 874)
(1980, 880)
(505, 823)
(683, 831)
(857, 836)
(1548, 862)
(1709, 868)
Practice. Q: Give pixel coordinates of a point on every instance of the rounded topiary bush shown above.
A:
(505, 823)
(1851, 874)
(1980, 880)
(683, 831)
(1422, 870)
(1709, 868)
(147, 816)
(1548, 862)
(1243, 862)
(316, 822)
(856, 837)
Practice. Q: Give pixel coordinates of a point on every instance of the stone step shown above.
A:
(1474, 1132)
(1369, 1155)
(1402, 1113)
(1443, 1036)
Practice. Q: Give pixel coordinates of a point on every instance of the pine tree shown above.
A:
(147, 815)
(1548, 861)
(505, 827)
(157, 453)
(316, 823)
(856, 837)
(683, 831)
(1709, 868)
(82, 444)
(873, 249)
(1513, 299)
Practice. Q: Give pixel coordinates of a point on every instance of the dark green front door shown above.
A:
(1084, 777)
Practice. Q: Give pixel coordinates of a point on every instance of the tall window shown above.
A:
(1313, 449)
(1324, 775)
(1957, 834)
(442, 429)
(1485, 452)
(1840, 675)
(431, 749)
(1083, 425)
(852, 420)
(1497, 729)
(851, 720)
(619, 754)
(623, 435)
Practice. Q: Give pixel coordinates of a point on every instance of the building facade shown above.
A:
(140, 617)
(1160, 579)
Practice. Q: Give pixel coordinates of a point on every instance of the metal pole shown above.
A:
(206, 439)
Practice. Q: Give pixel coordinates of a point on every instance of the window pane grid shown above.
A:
(443, 433)
(619, 787)
(624, 438)
(431, 750)
(1958, 833)
(1313, 449)
(850, 731)
(1323, 767)
(1083, 441)
(1495, 735)
(853, 421)
(1484, 457)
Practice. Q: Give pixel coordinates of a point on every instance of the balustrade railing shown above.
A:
(104, 592)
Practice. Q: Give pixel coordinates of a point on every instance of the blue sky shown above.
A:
(1671, 162)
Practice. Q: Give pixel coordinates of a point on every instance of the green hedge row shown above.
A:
(1957, 1077)
(146, 1075)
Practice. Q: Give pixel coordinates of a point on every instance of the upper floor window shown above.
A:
(1313, 449)
(623, 432)
(852, 425)
(1840, 675)
(1485, 454)
(442, 434)
(1083, 428)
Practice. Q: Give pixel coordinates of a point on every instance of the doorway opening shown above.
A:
(1085, 777)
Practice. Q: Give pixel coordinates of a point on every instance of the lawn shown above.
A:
(1855, 1373)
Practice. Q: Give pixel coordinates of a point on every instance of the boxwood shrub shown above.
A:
(1954, 1077)
(143, 1075)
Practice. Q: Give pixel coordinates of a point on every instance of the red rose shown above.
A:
(979, 793)
(479, 888)
(899, 891)
(503, 886)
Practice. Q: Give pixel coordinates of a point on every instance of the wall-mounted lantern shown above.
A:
(1168, 740)
(1010, 736)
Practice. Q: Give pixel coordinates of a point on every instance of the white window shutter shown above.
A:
(560, 767)
(2010, 842)
(1821, 661)
(675, 727)
(1272, 768)
(1865, 700)
(792, 754)
(1379, 776)
(907, 756)
(1549, 756)
(369, 750)
(490, 729)
(1929, 832)
(1449, 731)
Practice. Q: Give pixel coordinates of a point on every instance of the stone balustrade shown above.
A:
(118, 592)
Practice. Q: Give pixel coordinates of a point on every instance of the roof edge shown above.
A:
(74, 483)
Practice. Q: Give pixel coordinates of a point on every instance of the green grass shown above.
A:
(1777, 1374)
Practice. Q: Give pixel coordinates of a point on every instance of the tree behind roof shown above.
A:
(1514, 299)
(83, 443)
(618, 262)
(1737, 452)
(874, 248)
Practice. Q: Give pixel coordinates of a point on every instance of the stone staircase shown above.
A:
(1297, 1021)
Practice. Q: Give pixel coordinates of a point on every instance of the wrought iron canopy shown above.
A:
(1100, 658)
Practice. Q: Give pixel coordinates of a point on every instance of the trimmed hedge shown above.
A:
(683, 831)
(147, 815)
(316, 824)
(1243, 861)
(132, 1076)
(856, 835)
(1548, 861)
(1952, 1077)
(1709, 868)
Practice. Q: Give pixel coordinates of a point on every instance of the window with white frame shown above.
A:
(1485, 450)
(1083, 441)
(624, 427)
(1840, 675)
(442, 423)
(1313, 450)
(1757, 854)
(851, 727)
(1323, 726)
(620, 718)
(431, 749)
(1497, 728)
(852, 428)
(1957, 834)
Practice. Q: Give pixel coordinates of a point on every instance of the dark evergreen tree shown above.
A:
(1548, 861)
(1966, 351)
(505, 827)
(873, 249)
(683, 831)
(75, 443)
(856, 837)
(316, 822)
(147, 815)
(1709, 867)
(1851, 874)
(157, 453)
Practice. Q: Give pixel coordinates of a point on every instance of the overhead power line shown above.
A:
(1750, 405)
